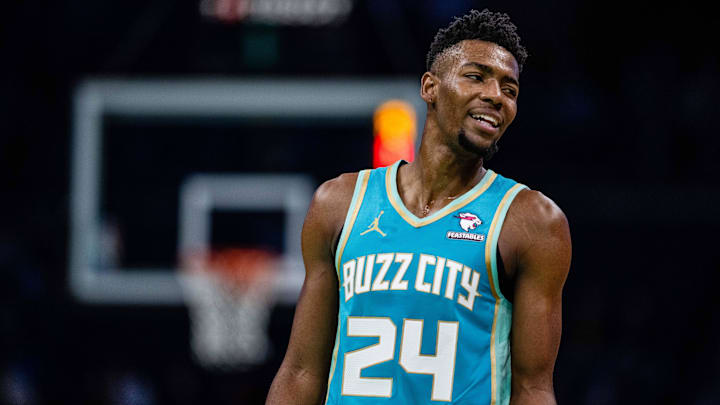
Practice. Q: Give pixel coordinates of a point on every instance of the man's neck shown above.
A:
(437, 176)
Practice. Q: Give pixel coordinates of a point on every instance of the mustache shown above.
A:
(485, 153)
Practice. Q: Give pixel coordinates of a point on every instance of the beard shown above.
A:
(484, 153)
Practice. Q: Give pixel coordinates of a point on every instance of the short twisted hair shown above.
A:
(483, 25)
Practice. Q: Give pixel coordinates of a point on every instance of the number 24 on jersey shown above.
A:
(441, 365)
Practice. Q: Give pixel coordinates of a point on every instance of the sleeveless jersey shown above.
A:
(421, 318)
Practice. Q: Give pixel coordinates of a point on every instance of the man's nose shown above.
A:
(491, 93)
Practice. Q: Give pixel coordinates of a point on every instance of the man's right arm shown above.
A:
(302, 377)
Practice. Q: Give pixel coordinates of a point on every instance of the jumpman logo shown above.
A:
(374, 226)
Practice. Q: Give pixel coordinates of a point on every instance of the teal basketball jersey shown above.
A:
(421, 317)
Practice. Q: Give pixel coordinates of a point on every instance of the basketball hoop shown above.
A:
(229, 294)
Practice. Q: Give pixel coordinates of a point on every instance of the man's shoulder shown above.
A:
(532, 218)
(535, 232)
(532, 207)
(331, 202)
(336, 192)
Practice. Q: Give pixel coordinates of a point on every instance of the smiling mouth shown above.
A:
(486, 118)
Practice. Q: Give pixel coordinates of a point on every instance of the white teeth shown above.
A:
(487, 118)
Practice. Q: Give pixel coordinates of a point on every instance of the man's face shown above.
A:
(475, 95)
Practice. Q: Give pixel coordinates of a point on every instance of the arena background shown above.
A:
(617, 123)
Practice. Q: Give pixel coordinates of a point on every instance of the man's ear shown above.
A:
(428, 87)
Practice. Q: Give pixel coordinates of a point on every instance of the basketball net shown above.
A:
(229, 294)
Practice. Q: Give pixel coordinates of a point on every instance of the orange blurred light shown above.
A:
(394, 131)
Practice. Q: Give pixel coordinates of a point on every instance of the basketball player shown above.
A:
(436, 280)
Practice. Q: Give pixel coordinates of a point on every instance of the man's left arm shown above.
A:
(537, 237)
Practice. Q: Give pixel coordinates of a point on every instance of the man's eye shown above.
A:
(511, 91)
(474, 77)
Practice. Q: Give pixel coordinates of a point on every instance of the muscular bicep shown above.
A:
(313, 331)
(303, 374)
(542, 262)
(302, 377)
